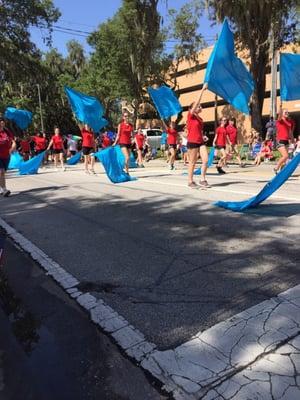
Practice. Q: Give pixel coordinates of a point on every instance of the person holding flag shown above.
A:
(124, 138)
(219, 143)
(284, 135)
(7, 146)
(58, 148)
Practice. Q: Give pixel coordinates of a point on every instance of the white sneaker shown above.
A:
(6, 193)
(63, 169)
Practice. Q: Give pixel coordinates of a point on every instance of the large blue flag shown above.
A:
(15, 160)
(267, 190)
(22, 118)
(31, 166)
(165, 101)
(87, 109)
(111, 161)
(289, 76)
(226, 75)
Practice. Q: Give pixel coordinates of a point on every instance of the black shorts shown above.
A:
(4, 163)
(191, 145)
(37, 152)
(73, 152)
(87, 150)
(220, 147)
(172, 146)
(282, 143)
(57, 151)
(128, 146)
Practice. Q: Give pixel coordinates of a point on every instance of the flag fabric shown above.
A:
(86, 108)
(289, 76)
(121, 158)
(22, 118)
(267, 190)
(165, 101)
(31, 166)
(74, 159)
(110, 159)
(226, 75)
(15, 160)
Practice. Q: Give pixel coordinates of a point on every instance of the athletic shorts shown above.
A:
(191, 145)
(220, 147)
(37, 152)
(282, 143)
(87, 150)
(57, 151)
(183, 149)
(128, 146)
(4, 163)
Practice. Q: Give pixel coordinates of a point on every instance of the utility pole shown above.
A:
(274, 57)
(40, 104)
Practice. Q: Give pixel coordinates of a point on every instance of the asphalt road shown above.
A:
(159, 253)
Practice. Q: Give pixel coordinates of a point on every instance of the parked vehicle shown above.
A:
(153, 136)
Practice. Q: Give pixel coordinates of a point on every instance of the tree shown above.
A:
(76, 58)
(254, 22)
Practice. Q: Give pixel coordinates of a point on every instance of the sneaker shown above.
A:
(275, 171)
(204, 184)
(243, 165)
(193, 185)
(63, 169)
(220, 170)
(92, 171)
(6, 193)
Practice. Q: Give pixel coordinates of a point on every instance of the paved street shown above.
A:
(174, 268)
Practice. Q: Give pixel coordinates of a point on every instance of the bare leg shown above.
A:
(204, 159)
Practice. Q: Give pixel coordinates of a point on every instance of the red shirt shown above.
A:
(87, 138)
(172, 136)
(140, 140)
(221, 134)
(125, 133)
(283, 128)
(232, 133)
(195, 129)
(25, 146)
(6, 139)
(58, 143)
(106, 142)
(40, 143)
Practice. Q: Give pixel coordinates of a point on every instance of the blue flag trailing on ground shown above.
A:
(267, 190)
(226, 75)
(165, 101)
(31, 166)
(15, 160)
(289, 76)
(74, 159)
(110, 159)
(87, 109)
(22, 118)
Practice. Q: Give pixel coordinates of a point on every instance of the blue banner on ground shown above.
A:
(31, 166)
(87, 109)
(209, 163)
(113, 164)
(165, 101)
(22, 118)
(74, 159)
(15, 160)
(289, 76)
(267, 190)
(226, 75)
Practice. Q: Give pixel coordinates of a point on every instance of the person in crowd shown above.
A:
(172, 142)
(284, 135)
(183, 147)
(220, 140)
(163, 144)
(139, 143)
(231, 131)
(88, 148)
(196, 143)
(7, 146)
(25, 147)
(271, 129)
(265, 153)
(57, 142)
(71, 146)
(124, 138)
(105, 140)
(297, 146)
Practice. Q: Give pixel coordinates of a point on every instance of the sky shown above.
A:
(86, 15)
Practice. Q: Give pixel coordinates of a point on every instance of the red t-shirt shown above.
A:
(58, 143)
(87, 138)
(106, 142)
(125, 133)
(6, 139)
(40, 143)
(283, 128)
(195, 129)
(232, 133)
(172, 136)
(221, 134)
(140, 139)
(25, 146)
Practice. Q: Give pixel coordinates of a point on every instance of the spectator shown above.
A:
(271, 129)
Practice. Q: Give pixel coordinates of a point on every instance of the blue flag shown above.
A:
(110, 159)
(87, 109)
(267, 190)
(15, 160)
(74, 159)
(31, 166)
(22, 118)
(289, 76)
(165, 101)
(226, 75)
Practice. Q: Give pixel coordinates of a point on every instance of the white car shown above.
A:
(153, 136)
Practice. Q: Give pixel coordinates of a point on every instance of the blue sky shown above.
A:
(88, 14)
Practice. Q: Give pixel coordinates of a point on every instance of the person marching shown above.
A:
(231, 131)
(88, 148)
(139, 142)
(123, 137)
(219, 143)
(196, 143)
(71, 145)
(25, 147)
(7, 146)
(172, 141)
(58, 148)
(284, 135)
